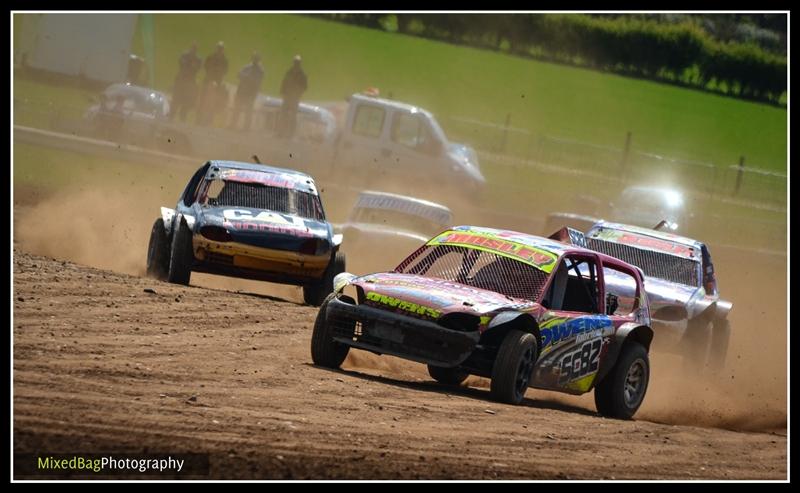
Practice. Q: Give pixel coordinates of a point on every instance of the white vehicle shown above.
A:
(638, 205)
(128, 113)
(383, 226)
(646, 206)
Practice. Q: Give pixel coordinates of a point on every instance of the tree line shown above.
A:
(677, 52)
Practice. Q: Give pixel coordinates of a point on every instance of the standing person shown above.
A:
(293, 86)
(250, 78)
(216, 66)
(184, 92)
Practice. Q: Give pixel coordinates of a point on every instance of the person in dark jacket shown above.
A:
(184, 93)
(250, 78)
(216, 67)
(293, 86)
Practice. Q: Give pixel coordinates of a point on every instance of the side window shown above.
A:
(406, 129)
(369, 121)
(189, 194)
(621, 295)
(412, 131)
(574, 286)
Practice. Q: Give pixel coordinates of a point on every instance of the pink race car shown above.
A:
(519, 309)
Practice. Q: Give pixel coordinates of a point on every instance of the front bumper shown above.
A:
(385, 332)
(250, 262)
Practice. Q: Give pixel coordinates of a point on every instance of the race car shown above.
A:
(522, 310)
(688, 315)
(383, 227)
(249, 221)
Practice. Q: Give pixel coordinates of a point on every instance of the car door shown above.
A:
(575, 331)
(361, 148)
(413, 149)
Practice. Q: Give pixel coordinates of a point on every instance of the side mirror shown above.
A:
(612, 303)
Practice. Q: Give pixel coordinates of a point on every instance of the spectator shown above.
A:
(184, 93)
(216, 66)
(293, 86)
(250, 78)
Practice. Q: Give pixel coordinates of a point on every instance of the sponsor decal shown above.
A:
(584, 361)
(269, 179)
(541, 259)
(403, 305)
(558, 329)
(244, 220)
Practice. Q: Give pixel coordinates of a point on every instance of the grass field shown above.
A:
(464, 82)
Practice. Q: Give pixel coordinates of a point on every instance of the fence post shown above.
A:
(505, 133)
(739, 176)
(625, 153)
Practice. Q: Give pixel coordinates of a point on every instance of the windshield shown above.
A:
(396, 220)
(257, 196)
(476, 268)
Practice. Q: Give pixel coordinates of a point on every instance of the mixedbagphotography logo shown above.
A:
(110, 464)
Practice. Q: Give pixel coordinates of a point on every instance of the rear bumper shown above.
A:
(385, 332)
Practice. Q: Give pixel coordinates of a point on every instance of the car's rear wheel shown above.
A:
(622, 391)
(513, 366)
(324, 350)
(314, 294)
(447, 376)
(158, 252)
(181, 255)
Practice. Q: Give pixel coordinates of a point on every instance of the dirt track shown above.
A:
(102, 365)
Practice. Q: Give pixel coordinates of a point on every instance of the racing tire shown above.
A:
(720, 339)
(622, 391)
(447, 376)
(181, 256)
(513, 366)
(315, 294)
(324, 350)
(158, 252)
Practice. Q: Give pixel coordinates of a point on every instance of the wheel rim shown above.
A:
(524, 371)
(635, 383)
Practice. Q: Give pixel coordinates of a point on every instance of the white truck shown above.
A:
(374, 142)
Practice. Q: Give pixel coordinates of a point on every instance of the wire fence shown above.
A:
(505, 144)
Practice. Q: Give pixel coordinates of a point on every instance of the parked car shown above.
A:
(519, 309)
(128, 113)
(249, 221)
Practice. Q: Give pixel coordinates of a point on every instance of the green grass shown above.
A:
(458, 81)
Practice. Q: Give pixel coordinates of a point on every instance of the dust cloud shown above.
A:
(109, 228)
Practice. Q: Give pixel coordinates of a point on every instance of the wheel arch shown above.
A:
(626, 334)
(504, 322)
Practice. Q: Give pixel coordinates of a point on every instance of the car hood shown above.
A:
(434, 297)
(467, 160)
(263, 228)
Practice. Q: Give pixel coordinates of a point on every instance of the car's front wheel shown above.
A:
(181, 255)
(324, 350)
(158, 252)
(314, 294)
(622, 391)
(513, 366)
